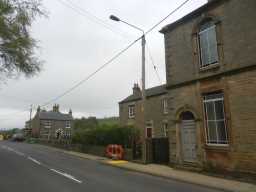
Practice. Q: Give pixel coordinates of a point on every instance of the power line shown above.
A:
(162, 20)
(69, 4)
(92, 74)
(113, 58)
(153, 64)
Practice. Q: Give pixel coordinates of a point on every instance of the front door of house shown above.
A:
(188, 137)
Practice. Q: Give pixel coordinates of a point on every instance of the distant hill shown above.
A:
(108, 120)
(93, 122)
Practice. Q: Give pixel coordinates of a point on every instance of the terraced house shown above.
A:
(53, 124)
(210, 94)
(130, 110)
(211, 82)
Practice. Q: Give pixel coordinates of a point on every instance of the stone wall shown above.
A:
(236, 40)
(240, 99)
(153, 112)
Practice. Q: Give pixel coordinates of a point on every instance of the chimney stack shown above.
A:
(136, 90)
(70, 112)
(55, 108)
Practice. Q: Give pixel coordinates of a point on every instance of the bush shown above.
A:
(106, 134)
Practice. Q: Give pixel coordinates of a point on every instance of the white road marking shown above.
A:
(34, 160)
(66, 175)
(37, 162)
(13, 150)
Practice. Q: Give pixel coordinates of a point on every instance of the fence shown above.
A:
(89, 149)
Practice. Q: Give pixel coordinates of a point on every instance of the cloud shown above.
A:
(73, 46)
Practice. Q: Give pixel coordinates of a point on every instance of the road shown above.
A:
(35, 168)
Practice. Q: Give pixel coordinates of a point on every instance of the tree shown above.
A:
(17, 47)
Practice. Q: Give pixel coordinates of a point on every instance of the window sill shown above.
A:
(219, 147)
(209, 67)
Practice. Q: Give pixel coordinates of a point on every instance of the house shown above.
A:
(130, 111)
(27, 129)
(52, 124)
(155, 118)
(207, 107)
(211, 85)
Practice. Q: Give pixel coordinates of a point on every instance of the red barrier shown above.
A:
(115, 152)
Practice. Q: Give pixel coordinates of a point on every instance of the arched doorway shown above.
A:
(188, 136)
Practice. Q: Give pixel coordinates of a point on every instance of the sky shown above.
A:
(77, 38)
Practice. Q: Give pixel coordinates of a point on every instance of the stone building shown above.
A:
(52, 124)
(211, 83)
(130, 111)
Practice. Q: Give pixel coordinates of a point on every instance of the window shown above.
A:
(68, 124)
(131, 111)
(165, 106)
(208, 44)
(216, 130)
(149, 129)
(47, 124)
(165, 129)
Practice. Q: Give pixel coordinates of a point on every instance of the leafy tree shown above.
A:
(17, 47)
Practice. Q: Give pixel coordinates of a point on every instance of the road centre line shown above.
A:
(34, 160)
(13, 150)
(66, 175)
(39, 163)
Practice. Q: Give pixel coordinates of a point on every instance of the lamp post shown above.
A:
(143, 92)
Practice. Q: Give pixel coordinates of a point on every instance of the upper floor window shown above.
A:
(68, 124)
(208, 44)
(47, 124)
(165, 106)
(131, 111)
(216, 129)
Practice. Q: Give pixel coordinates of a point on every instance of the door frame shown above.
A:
(179, 145)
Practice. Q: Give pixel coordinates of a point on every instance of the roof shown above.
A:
(51, 115)
(190, 15)
(151, 92)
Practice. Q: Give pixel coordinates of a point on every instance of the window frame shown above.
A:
(218, 142)
(208, 65)
(131, 111)
(165, 105)
(47, 124)
(68, 123)
(165, 129)
(151, 126)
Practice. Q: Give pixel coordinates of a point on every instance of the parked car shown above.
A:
(18, 137)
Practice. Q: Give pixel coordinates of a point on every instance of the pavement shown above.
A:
(36, 168)
(174, 174)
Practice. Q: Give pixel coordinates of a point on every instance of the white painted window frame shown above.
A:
(165, 105)
(131, 111)
(216, 120)
(165, 129)
(47, 124)
(203, 66)
(67, 124)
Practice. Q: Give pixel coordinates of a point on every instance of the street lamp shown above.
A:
(143, 44)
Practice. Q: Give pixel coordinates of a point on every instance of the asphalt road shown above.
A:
(35, 168)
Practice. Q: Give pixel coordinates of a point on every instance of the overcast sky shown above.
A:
(74, 45)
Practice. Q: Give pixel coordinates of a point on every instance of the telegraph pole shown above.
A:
(30, 116)
(143, 82)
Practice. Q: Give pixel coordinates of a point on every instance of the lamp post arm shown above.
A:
(133, 26)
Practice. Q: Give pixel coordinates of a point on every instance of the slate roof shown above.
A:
(154, 91)
(50, 115)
